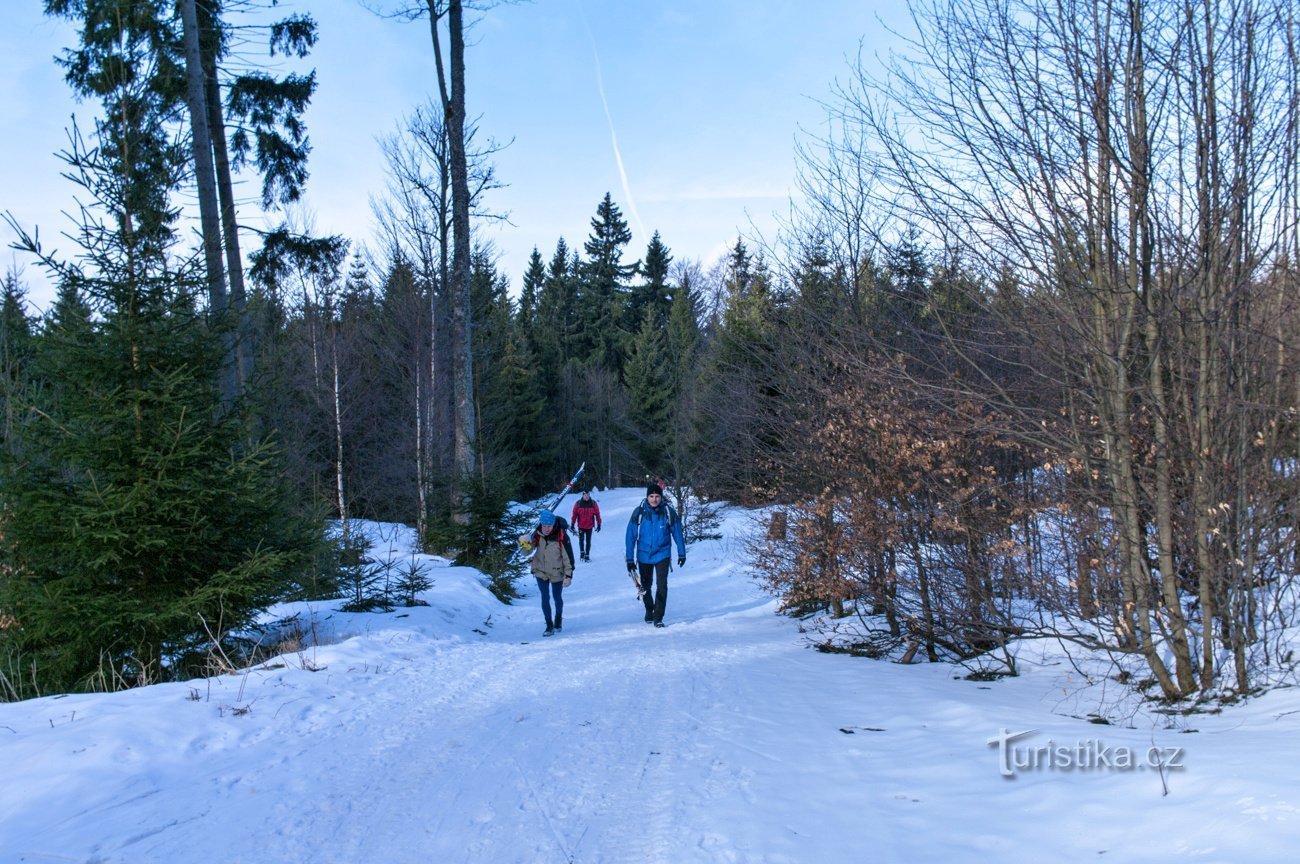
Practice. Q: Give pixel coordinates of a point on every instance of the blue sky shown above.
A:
(705, 99)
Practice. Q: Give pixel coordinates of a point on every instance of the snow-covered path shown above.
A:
(455, 733)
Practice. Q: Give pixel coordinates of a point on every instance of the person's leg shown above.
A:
(661, 590)
(584, 542)
(647, 583)
(544, 588)
(557, 591)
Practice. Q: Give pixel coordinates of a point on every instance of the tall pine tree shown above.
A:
(654, 293)
(530, 296)
(649, 387)
(604, 289)
(684, 347)
(15, 353)
(739, 403)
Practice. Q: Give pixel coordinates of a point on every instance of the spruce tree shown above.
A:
(740, 405)
(15, 353)
(374, 405)
(145, 41)
(683, 335)
(494, 316)
(533, 440)
(530, 295)
(129, 58)
(684, 346)
(140, 521)
(906, 289)
(603, 289)
(552, 345)
(649, 388)
(516, 418)
(404, 347)
(654, 293)
(554, 335)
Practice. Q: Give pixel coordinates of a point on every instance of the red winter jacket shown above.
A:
(586, 515)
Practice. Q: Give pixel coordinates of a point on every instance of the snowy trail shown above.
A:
(458, 734)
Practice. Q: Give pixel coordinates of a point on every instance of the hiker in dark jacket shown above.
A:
(651, 532)
(586, 516)
(552, 565)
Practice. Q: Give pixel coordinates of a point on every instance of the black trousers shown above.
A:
(584, 542)
(655, 601)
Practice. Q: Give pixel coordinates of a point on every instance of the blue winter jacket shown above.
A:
(651, 532)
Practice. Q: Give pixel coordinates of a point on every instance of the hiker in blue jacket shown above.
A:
(651, 531)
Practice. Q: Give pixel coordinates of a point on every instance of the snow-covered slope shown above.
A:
(454, 733)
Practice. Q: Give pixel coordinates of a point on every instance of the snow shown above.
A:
(454, 732)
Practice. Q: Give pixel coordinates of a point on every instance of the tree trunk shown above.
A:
(457, 288)
(421, 475)
(462, 312)
(337, 404)
(208, 210)
(1141, 282)
(927, 606)
(244, 347)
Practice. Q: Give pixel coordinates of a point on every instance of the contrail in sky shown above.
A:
(613, 136)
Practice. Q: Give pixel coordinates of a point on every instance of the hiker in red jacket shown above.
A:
(586, 515)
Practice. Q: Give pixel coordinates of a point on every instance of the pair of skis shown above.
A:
(551, 505)
(568, 487)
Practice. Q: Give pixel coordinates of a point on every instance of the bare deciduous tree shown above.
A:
(1127, 171)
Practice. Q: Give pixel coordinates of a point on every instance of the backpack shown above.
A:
(641, 511)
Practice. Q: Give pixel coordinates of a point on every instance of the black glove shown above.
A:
(681, 560)
(597, 529)
(631, 568)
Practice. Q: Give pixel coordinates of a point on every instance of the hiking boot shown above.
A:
(649, 616)
(557, 625)
(550, 631)
(659, 623)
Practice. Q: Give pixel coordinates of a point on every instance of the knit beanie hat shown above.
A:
(547, 518)
(653, 489)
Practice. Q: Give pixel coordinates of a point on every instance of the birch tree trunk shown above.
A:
(337, 405)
